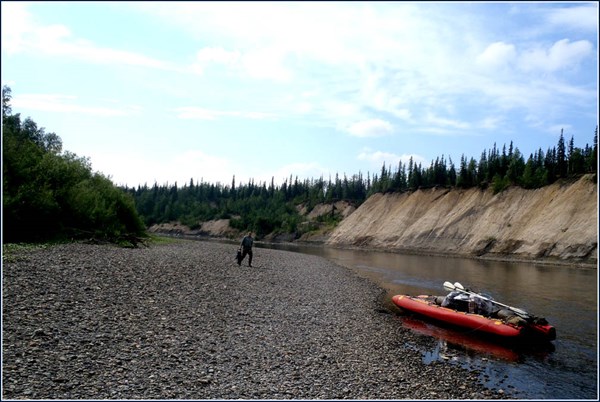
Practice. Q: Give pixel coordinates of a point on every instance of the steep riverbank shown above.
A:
(555, 222)
(184, 321)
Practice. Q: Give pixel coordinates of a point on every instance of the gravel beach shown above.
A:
(181, 320)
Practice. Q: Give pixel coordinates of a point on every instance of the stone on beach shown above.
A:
(182, 320)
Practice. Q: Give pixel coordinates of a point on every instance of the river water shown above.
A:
(567, 296)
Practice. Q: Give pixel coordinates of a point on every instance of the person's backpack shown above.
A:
(238, 256)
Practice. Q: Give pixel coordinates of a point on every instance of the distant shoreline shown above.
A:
(487, 257)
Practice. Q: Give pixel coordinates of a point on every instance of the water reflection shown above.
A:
(451, 339)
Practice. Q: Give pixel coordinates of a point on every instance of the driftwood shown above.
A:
(124, 240)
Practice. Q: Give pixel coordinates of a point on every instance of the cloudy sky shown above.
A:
(171, 91)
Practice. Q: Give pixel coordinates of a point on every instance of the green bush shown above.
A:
(500, 184)
(50, 195)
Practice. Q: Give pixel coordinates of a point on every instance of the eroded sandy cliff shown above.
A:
(557, 221)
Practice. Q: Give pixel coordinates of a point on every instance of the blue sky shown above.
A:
(168, 91)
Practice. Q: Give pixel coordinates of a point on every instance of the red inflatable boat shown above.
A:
(503, 324)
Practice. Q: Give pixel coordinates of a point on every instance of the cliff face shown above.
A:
(557, 221)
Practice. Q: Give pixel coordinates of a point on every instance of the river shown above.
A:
(567, 296)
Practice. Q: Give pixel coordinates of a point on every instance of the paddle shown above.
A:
(457, 286)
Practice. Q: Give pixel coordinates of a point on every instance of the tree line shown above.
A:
(271, 208)
(495, 168)
(249, 206)
(49, 193)
(53, 195)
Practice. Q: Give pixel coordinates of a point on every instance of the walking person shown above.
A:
(246, 247)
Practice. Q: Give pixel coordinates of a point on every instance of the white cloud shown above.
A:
(445, 122)
(20, 33)
(211, 114)
(303, 107)
(490, 123)
(377, 158)
(377, 94)
(68, 104)
(497, 54)
(16, 23)
(132, 168)
(545, 126)
(374, 67)
(370, 128)
(303, 170)
(262, 63)
(196, 163)
(562, 54)
(269, 29)
(217, 55)
(197, 113)
(340, 108)
(582, 17)
(403, 114)
(60, 43)
(267, 63)
(393, 59)
(555, 129)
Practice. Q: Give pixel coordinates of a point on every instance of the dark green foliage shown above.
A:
(97, 207)
(272, 209)
(467, 177)
(53, 195)
(257, 207)
(495, 168)
(499, 183)
(561, 158)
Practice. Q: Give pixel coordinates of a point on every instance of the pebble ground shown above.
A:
(181, 320)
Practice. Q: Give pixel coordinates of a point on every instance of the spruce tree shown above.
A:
(561, 160)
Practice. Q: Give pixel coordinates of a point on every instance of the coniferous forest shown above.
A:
(53, 194)
(266, 208)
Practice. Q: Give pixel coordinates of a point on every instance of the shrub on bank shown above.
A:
(53, 195)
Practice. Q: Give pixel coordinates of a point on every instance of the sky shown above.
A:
(165, 92)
